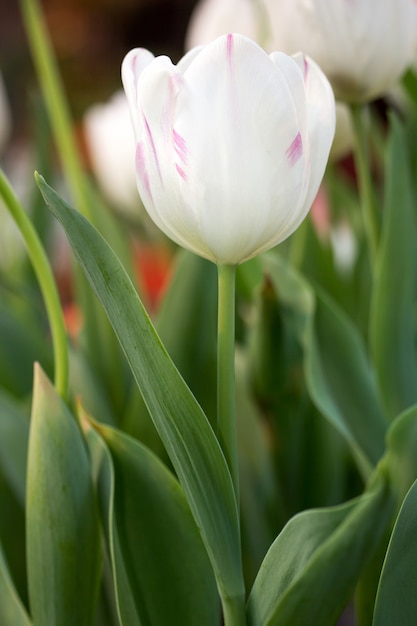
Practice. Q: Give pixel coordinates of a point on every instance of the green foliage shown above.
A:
(152, 537)
(181, 424)
(63, 538)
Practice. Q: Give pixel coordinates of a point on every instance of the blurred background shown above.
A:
(90, 38)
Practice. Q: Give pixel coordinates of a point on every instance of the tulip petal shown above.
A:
(132, 67)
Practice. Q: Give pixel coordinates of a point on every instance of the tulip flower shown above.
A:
(363, 46)
(231, 144)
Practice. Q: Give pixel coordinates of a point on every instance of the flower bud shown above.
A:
(231, 144)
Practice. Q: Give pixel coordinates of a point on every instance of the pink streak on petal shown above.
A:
(229, 47)
(306, 67)
(180, 171)
(295, 150)
(180, 145)
(152, 147)
(141, 168)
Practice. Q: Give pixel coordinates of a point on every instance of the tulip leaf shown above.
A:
(183, 427)
(63, 534)
(14, 435)
(295, 585)
(396, 600)
(392, 323)
(338, 374)
(187, 323)
(161, 568)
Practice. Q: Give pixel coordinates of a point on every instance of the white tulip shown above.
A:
(231, 144)
(363, 46)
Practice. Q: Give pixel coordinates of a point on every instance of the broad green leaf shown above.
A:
(392, 322)
(338, 375)
(396, 601)
(63, 533)
(14, 435)
(160, 566)
(311, 569)
(184, 429)
(187, 323)
(12, 611)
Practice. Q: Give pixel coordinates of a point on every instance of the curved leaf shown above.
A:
(338, 375)
(63, 535)
(161, 569)
(184, 429)
(396, 601)
(296, 583)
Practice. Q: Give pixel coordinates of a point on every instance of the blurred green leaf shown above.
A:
(23, 341)
(187, 325)
(396, 601)
(311, 569)
(180, 421)
(161, 569)
(338, 375)
(63, 535)
(392, 322)
(12, 611)
(260, 497)
(14, 435)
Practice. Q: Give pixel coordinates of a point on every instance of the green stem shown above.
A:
(46, 281)
(363, 169)
(226, 399)
(56, 102)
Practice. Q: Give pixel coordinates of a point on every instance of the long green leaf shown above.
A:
(12, 611)
(338, 375)
(311, 569)
(396, 601)
(63, 536)
(181, 424)
(161, 569)
(392, 323)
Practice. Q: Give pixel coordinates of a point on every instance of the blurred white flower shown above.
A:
(363, 46)
(344, 246)
(213, 18)
(108, 133)
(231, 144)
